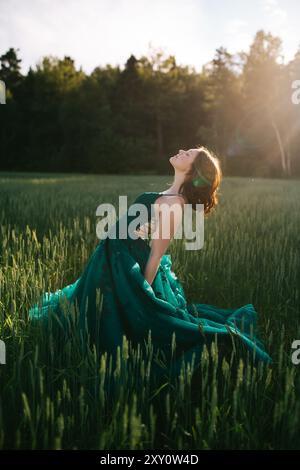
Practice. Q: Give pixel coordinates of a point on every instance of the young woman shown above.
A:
(140, 292)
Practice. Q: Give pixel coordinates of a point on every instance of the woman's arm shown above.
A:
(169, 214)
(152, 267)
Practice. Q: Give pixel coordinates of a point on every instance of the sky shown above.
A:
(99, 32)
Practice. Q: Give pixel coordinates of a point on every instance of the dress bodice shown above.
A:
(137, 234)
(148, 224)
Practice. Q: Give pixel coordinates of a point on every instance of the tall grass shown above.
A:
(55, 391)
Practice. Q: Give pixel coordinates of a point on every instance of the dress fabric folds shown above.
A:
(132, 307)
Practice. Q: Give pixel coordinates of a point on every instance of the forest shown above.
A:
(117, 121)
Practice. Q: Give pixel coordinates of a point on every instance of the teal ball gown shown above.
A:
(132, 307)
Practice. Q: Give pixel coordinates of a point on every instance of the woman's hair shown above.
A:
(209, 167)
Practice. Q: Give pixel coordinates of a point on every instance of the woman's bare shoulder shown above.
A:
(171, 199)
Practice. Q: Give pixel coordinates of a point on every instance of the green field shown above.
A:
(52, 392)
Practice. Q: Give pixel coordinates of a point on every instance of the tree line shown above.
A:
(59, 119)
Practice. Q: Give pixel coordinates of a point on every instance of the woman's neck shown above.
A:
(177, 182)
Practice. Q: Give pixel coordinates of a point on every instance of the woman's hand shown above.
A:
(152, 267)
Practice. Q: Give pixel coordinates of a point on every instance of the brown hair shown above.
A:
(209, 166)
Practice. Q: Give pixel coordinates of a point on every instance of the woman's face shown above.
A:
(184, 159)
